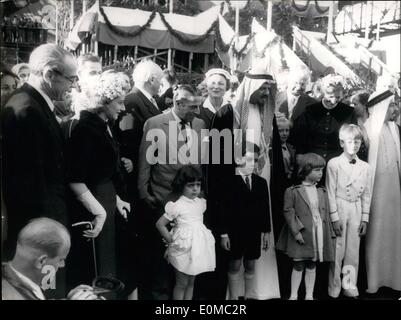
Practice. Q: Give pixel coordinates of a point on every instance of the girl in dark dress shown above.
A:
(94, 178)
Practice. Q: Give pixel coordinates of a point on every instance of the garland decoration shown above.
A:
(320, 10)
(300, 9)
(240, 52)
(185, 39)
(182, 38)
(126, 33)
(219, 41)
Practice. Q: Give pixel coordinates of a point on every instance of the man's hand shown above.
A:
(362, 228)
(338, 228)
(299, 238)
(82, 292)
(265, 241)
(225, 243)
(123, 207)
(128, 165)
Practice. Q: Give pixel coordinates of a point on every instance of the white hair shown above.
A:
(144, 70)
(45, 235)
(47, 55)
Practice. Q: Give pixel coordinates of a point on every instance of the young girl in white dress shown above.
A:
(191, 246)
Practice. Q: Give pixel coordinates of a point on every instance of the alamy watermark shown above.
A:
(226, 145)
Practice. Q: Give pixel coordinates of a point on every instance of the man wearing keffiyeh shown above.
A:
(253, 114)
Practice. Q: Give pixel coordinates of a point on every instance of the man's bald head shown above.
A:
(44, 235)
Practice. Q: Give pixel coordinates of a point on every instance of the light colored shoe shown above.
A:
(309, 298)
(293, 298)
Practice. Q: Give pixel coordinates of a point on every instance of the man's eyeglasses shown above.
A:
(72, 79)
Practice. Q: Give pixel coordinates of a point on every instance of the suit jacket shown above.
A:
(245, 211)
(33, 160)
(141, 110)
(162, 149)
(298, 216)
(299, 108)
(350, 182)
(12, 288)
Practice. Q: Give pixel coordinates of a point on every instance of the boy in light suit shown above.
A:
(348, 185)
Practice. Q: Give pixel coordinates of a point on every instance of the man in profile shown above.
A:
(42, 247)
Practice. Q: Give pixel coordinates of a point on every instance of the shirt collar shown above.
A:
(207, 104)
(175, 116)
(44, 95)
(37, 291)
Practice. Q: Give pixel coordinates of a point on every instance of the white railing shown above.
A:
(372, 62)
(312, 47)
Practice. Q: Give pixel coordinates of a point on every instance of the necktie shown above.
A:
(353, 161)
(154, 102)
(183, 130)
(248, 183)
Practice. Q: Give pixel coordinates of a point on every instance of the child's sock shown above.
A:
(233, 285)
(296, 278)
(248, 283)
(310, 276)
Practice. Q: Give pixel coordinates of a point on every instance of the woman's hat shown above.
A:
(220, 71)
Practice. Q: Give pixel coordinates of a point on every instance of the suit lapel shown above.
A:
(148, 104)
(44, 107)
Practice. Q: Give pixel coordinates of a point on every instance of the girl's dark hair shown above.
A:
(307, 162)
(188, 173)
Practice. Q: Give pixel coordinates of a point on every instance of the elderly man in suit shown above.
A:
(293, 101)
(43, 246)
(33, 144)
(140, 105)
(169, 141)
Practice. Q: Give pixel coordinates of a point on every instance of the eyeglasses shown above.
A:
(72, 79)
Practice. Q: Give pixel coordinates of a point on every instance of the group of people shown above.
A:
(235, 193)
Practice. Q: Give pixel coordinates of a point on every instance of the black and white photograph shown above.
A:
(218, 152)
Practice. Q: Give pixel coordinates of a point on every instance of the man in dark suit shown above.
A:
(170, 141)
(293, 101)
(140, 105)
(33, 144)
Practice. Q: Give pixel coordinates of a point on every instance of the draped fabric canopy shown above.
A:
(155, 34)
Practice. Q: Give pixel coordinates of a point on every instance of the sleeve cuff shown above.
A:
(365, 217)
(224, 235)
(334, 216)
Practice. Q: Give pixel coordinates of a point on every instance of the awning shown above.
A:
(156, 34)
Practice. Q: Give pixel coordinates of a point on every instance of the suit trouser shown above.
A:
(154, 278)
(347, 250)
